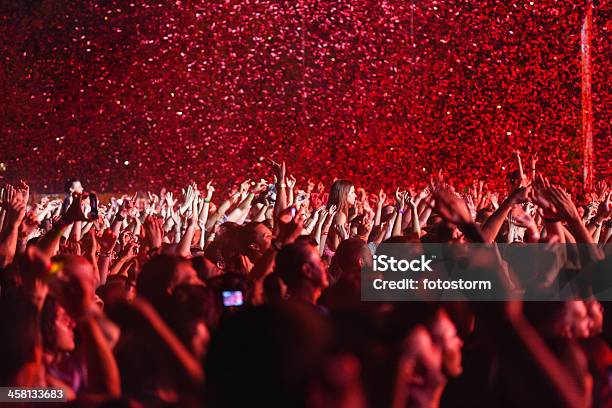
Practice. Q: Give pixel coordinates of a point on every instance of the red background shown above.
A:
(375, 91)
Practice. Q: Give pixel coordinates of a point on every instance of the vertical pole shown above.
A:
(587, 102)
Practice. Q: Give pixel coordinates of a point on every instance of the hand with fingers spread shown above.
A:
(289, 226)
(539, 195)
(469, 201)
(451, 207)
(24, 190)
(170, 200)
(28, 225)
(331, 214)
(563, 203)
(520, 218)
(153, 232)
(604, 210)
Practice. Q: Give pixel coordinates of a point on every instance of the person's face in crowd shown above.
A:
(576, 323)
(444, 334)
(263, 239)
(76, 187)
(595, 312)
(351, 196)
(200, 340)
(64, 331)
(420, 367)
(315, 269)
(185, 275)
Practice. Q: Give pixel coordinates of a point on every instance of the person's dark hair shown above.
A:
(232, 282)
(20, 336)
(156, 277)
(68, 184)
(115, 289)
(289, 261)
(345, 261)
(48, 316)
(213, 253)
(204, 267)
(188, 306)
(338, 195)
(308, 239)
(273, 288)
(246, 237)
(287, 343)
(225, 251)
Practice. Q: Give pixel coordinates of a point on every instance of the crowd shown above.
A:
(253, 298)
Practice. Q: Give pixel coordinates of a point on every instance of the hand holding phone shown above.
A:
(232, 298)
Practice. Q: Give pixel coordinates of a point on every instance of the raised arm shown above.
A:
(491, 227)
(400, 203)
(15, 209)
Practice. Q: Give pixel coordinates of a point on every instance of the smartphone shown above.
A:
(293, 211)
(93, 203)
(232, 298)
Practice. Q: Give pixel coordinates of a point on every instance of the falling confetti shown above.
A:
(145, 94)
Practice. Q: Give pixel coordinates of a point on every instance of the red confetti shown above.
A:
(144, 94)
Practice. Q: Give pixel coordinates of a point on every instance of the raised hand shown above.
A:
(28, 225)
(539, 194)
(24, 190)
(170, 200)
(364, 227)
(107, 240)
(411, 201)
(342, 231)
(291, 181)
(604, 210)
(153, 231)
(245, 186)
(521, 219)
(494, 199)
(89, 244)
(209, 190)
(129, 251)
(331, 213)
(289, 227)
(451, 207)
(279, 169)
(520, 195)
(400, 199)
(382, 197)
(75, 211)
(563, 203)
(14, 206)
